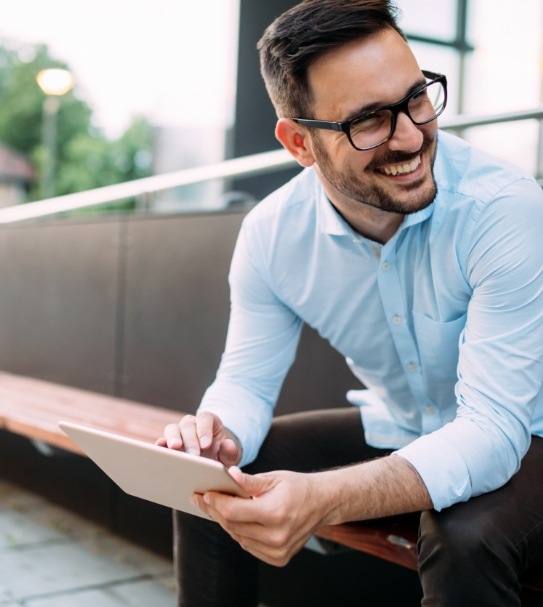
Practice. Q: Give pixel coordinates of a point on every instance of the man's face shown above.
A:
(397, 176)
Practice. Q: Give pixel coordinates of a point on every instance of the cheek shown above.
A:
(354, 160)
(430, 134)
(364, 162)
(341, 159)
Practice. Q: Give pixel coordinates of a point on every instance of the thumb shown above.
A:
(229, 453)
(254, 485)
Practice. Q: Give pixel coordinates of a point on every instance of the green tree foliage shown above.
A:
(96, 161)
(85, 158)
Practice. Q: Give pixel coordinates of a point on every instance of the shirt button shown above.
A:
(397, 320)
(386, 266)
(412, 367)
(430, 410)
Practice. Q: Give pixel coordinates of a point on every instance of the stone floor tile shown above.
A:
(155, 593)
(55, 568)
(18, 530)
(26, 519)
(51, 557)
(13, 497)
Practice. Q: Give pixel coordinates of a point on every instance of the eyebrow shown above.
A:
(371, 107)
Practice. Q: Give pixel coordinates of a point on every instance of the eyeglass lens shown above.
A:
(376, 127)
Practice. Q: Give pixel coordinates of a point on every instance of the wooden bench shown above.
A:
(32, 408)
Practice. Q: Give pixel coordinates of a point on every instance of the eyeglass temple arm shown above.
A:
(431, 75)
(321, 124)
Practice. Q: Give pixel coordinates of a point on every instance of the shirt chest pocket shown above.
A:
(437, 344)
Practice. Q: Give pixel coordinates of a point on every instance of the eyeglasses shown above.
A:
(374, 127)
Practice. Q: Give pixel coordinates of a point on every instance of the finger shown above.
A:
(229, 453)
(231, 509)
(197, 500)
(262, 542)
(172, 437)
(161, 442)
(189, 435)
(206, 428)
(267, 554)
(253, 484)
(273, 546)
(255, 540)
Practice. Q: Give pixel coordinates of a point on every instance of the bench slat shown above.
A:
(393, 540)
(33, 408)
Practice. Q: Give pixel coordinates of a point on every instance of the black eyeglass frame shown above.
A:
(395, 108)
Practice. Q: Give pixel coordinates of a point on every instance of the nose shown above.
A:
(407, 136)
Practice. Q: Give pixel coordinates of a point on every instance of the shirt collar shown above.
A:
(331, 222)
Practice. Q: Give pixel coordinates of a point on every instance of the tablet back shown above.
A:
(153, 473)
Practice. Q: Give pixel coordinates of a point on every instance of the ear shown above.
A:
(294, 138)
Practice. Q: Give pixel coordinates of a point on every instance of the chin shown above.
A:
(407, 198)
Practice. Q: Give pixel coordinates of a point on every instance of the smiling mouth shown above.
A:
(402, 169)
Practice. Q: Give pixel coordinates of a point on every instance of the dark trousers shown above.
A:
(469, 554)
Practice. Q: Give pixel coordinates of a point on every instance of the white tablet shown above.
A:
(153, 473)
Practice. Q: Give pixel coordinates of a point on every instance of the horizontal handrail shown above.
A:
(256, 164)
(245, 166)
(466, 122)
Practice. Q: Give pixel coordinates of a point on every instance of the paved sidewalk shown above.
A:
(50, 557)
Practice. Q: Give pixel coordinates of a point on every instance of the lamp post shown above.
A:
(54, 82)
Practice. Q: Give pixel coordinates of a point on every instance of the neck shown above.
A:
(370, 222)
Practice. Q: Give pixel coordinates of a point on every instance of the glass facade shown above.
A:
(429, 18)
(501, 73)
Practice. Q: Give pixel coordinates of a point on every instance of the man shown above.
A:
(417, 257)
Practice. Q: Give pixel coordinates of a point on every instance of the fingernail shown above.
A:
(205, 442)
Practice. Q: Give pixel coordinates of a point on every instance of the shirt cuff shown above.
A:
(250, 420)
(449, 481)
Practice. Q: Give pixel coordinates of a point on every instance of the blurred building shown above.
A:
(178, 148)
(16, 177)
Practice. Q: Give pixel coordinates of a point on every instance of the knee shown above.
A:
(461, 539)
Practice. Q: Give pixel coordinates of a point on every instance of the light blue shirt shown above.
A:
(443, 324)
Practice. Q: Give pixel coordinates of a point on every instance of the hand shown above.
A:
(288, 507)
(277, 522)
(202, 434)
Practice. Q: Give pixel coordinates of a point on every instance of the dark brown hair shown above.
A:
(306, 32)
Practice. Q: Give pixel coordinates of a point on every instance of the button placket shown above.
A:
(393, 303)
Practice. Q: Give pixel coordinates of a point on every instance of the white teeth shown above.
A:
(402, 169)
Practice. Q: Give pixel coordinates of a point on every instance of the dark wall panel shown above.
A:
(58, 297)
(177, 306)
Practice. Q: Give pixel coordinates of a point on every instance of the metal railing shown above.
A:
(246, 166)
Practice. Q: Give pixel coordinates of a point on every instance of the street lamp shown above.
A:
(54, 82)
